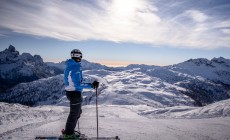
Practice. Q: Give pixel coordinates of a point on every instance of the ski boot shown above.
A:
(70, 137)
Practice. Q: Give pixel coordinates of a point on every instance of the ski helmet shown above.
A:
(76, 54)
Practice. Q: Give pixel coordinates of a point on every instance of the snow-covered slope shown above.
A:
(22, 122)
(217, 69)
(205, 81)
(218, 109)
(130, 87)
(16, 68)
(40, 90)
(15, 115)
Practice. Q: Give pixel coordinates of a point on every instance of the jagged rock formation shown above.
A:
(17, 68)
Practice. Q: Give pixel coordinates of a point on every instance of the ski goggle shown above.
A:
(78, 55)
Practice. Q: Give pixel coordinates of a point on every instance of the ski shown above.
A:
(82, 137)
(79, 136)
(59, 138)
(104, 138)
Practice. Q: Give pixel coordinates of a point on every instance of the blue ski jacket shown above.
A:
(73, 77)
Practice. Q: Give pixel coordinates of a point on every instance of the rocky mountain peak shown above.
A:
(11, 48)
(221, 60)
(199, 61)
(8, 54)
(16, 68)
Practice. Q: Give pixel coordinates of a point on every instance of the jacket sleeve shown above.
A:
(76, 76)
(84, 85)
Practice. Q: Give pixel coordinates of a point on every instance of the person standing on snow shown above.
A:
(74, 86)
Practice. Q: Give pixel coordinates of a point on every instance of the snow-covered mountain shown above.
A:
(217, 69)
(205, 81)
(16, 68)
(149, 85)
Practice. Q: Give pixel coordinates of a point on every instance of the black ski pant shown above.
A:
(75, 99)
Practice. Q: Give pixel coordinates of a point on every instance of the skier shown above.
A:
(73, 86)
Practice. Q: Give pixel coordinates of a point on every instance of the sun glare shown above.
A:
(125, 7)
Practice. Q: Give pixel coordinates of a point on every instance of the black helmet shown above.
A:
(76, 55)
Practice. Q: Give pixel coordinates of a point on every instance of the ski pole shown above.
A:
(97, 112)
(78, 126)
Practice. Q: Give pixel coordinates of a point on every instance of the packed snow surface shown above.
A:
(129, 122)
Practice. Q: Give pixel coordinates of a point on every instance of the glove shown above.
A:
(95, 84)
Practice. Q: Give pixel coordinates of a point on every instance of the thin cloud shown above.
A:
(138, 21)
(197, 16)
(226, 31)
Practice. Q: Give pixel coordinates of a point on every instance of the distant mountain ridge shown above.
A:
(86, 65)
(216, 69)
(16, 68)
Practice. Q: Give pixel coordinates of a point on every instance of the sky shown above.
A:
(118, 32)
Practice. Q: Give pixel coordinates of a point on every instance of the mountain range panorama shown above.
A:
(26, 79)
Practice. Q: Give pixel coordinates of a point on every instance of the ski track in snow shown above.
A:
(123, 121)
